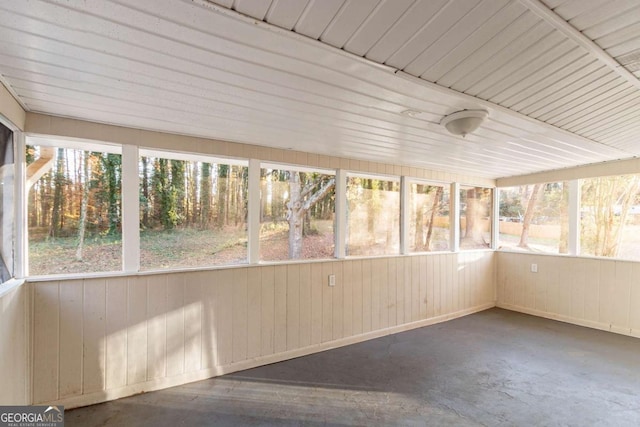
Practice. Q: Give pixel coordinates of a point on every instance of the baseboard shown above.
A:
(166, 382)
(573, 320)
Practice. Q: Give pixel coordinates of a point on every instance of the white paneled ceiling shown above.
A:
(335, 76)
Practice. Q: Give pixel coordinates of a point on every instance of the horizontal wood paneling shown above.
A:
(99, 338)
(202, 70)
(599, 293)
(70, 128)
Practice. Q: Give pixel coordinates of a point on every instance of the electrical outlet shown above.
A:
(534, 268)
(332, 280)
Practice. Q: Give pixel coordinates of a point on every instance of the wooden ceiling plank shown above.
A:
(597, 106)
(285, 13)
(376, 25)
(317, 16)
(600, 90)
(515, 29)
(347, 21)
(255, 8)
(454, 35)
(503, 57)
(405, 27)
(550, 48)
(445, 19)
(564, 103)
(483, 35)
(537, 7)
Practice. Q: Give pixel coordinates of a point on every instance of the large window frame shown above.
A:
(405, 224)
(68, 144)
(574, 226)
(401, 201)
(300, 169)
(186, 157)
(131, 205)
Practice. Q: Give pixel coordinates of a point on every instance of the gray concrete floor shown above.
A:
(491, 368)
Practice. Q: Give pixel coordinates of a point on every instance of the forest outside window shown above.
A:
(610, 217)
(475, 217)
(535, 217)
(297, 219)
(373, 221)
(428, 206)
(193, 211)
(74, 207)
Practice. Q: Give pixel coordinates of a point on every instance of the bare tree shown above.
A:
(300, 201)
(528, 215)
(86, 174)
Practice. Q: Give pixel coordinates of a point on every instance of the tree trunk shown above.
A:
(295, 215)
(563, 246)
(299, 204)
(471, 230)
(528, 215)
(205, 196)
(223, 194)
(434, 209)
(145, 191)
(83, 206)
(177, 191)
(58, 196)
(113, 185)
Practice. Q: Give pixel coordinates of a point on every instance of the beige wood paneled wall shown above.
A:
(96, 339)
(14, 338)
(598, 293)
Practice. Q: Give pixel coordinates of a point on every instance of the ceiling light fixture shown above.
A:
(464, 122)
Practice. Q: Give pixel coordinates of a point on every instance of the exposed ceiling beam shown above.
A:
(555, 20)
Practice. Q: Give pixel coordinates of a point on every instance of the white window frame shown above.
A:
(254, 230)
(404, 209)
(81, 145)
(379, 177)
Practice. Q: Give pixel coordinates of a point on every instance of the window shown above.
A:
(74, 208)
(428, 206)
(535, 217)
(610, 217)
(193, 212)
(475, 217)
(373, 223)
(296, 213)
(7, 190)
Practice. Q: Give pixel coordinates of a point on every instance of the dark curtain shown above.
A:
(6, 159)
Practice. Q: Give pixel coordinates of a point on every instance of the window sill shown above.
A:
(10, 285)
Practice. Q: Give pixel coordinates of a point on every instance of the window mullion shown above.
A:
(130, 209)
(574, 217)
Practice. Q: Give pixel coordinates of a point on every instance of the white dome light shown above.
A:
(464, 122)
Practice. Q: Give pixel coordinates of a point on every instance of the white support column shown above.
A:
(254, 212)
(341, 214)
(20, 261)
(404, 215)
(495, 218)
(574, 217)
(454, 217)
(130, 209)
